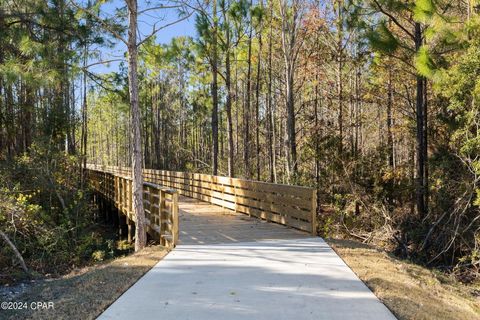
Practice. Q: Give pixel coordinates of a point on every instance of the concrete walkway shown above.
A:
(269, 279)
(230, 266)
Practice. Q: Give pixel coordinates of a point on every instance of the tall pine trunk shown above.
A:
(137, 179)
(290, 20)
(421, 138)
(340, 75)
(257, 102)
(270, 117)
(228, 107)
(215, 92)
(246, 115)
(390, 146)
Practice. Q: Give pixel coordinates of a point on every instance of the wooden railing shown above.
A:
(160, 203)
(292, 206)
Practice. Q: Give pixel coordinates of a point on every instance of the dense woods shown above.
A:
(372, 102)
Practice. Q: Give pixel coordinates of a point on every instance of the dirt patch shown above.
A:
(86, 292)
(409, 290)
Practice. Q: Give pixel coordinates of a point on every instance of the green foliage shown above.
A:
(460, 84)
(326, 224)
(455, 166)
(98, 255)
(424, 10)
(382, 39)
(239, 9)
(395, 5)
(44, 211)
(257, 13)
(424, 63)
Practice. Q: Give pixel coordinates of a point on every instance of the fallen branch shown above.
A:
(15, 251)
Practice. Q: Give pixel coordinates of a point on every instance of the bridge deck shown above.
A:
(231, 266)
(204, 223)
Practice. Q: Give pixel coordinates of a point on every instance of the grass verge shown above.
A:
(85, 293)
(410, 291)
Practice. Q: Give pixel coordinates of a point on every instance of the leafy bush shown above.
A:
(47, 215)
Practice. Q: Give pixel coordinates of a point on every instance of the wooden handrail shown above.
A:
(293, 206)
(160, 203)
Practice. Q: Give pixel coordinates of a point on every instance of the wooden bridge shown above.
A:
(231, 261)
(206, 202)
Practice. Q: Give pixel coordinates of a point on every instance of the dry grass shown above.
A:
(409, 290)
(85, 293)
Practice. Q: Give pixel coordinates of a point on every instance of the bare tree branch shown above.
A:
(155, 29)
(394, 20)
(105, 25)
(15, 251)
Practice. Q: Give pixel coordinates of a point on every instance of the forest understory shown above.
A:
(50, 220)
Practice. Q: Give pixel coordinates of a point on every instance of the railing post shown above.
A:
(130, 230)
(161, 208)
(150, 204)
(174, 218)
(115, 190)
(130, 198)
(157, 217)
(125, 195)
(121, 193)
(314, 212)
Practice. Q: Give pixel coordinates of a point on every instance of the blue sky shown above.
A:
(146, 21)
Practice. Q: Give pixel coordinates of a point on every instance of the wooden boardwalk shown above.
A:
(288, 205)
(205, 223)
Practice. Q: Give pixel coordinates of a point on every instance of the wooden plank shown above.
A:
(161, 203)
(314, 212)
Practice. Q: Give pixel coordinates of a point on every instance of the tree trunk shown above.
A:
(246, 120)
(270, 118)
(214, 92)
(357, 111)
(15, 251)
(84, 131)
(257, 101)
(340, 75)
(291, 133)
(425, 144)
(28, 124)
(317, 136)
(289, 39)
(389, 122)
(420, 185)
(228, 105)
(137, 179)
(390, 146)
(10, 121)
